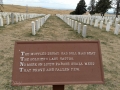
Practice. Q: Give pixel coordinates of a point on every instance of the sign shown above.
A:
(57, 63)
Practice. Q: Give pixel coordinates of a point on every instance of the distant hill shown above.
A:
(22, 9)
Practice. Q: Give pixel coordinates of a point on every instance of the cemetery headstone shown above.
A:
(96, 23)
(33, 28)
(108, 27)
(72, 23)
(117, 29)
(36, 25)
(91, 22)
(101, 24)
(88, 20)
(79, 28)
(8, 20)
(84, 31)
(1, 21)
(12, 18)
(16, 18)
(75, 25)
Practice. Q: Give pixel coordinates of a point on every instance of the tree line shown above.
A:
(100, 6)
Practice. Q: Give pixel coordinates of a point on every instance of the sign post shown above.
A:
(58, 87)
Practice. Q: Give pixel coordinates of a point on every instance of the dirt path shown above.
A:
(56, 30)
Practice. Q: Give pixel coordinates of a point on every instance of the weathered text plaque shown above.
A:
(57, 63)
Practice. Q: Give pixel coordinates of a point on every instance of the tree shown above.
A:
(102, 6)
(117, 7)
(92, 7)
(73, 12)
(80, 9)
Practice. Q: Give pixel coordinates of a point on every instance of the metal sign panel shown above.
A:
(57, 63)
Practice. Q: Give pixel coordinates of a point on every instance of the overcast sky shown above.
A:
(52, 4)
(55, 4)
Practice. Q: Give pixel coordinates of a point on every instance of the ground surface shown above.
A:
(56, 30)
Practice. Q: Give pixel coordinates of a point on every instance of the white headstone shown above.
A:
(39, 22)
(25, 16)
(101, 24)
(8, 20)
(106, 20)
(22, 17)
(91, 22)
(36, 25)
(82, 20)
(19, 18)
(108, 27)
(96, 23)
(116, 21)
(43, 20)
(12, 18)
(84, 31)
(16, 18)
(33, 28)
(79, 28)
(111, 21)
(88, 20)
(78, 19)
(117, 29)
(85, 20)
(72, 23)
(75, 25)
(68, 21)
(1, 21)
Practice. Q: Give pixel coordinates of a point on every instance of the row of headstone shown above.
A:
(25, 15)
(74, 24)
(16, 17)
(87, 18)
(36, 25)
(97, 21)
(108, 26)
(75, 17)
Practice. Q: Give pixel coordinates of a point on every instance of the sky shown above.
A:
(52, 4)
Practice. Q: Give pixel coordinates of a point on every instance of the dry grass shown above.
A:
(56, 30)
(22, 9)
